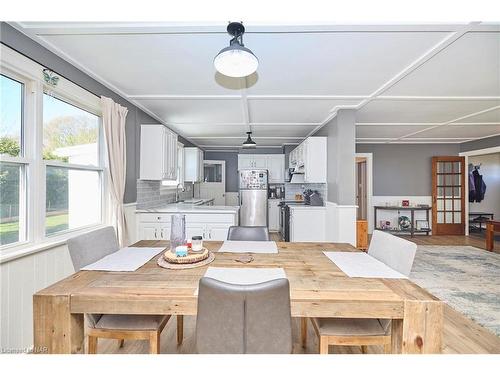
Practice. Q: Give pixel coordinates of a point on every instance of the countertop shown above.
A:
(306, 207)
(191, 208)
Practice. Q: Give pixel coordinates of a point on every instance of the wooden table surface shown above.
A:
(317, 289)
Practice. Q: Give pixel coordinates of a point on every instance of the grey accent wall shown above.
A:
(16, 40)
(404, 169)
(341, 133)
(480, 144)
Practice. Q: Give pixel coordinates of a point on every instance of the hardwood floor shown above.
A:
(461, 335)
(472, 240)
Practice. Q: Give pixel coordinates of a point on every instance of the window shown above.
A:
(12, 166)
(11, 112)
(51, 157)
(72, 174)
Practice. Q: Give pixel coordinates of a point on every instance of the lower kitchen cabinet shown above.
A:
(274, 214)
(307, 224)
(210, 226)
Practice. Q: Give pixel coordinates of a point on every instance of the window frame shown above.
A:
(70, 166)
(23, 160)
(20, 68)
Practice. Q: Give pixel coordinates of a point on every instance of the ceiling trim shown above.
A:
(244, 137)
(83, 28)
(184, 97)
(431, 98)
(219, 146)
(243, 124)
(425, 123)
(451, 121)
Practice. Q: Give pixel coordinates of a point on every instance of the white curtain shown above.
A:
(113, 118)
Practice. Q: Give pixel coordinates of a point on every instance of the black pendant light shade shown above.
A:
(236, 60)
(249, 143)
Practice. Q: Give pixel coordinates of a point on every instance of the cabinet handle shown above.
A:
(161, 233)
(210, 234)
(155, 233)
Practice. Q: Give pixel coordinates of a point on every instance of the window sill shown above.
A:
(25, 249)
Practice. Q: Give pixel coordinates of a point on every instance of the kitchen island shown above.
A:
(210, 222)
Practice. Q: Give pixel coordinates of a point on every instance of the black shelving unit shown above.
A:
(412, 230)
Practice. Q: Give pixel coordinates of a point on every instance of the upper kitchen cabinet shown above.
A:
(274, 163)
(193, 164)
(158, 159)
(310, 158)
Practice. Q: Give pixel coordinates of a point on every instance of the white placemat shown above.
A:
(126, 259)
(362, 265)
(256, 247)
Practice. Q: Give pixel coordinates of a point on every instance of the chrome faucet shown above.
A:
(177, 191)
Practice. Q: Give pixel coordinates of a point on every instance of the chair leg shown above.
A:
(154, 343)
(303, 330)
(387, 349)
(121, 341)
(323, 345)
(363, 349)
(92, 342)
(180, 329)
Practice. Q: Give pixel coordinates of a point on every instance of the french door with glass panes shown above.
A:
(448, 182)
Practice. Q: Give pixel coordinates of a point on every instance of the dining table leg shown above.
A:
(421, 328)
(55, 328)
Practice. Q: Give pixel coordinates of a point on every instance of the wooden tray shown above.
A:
(183, 266)
(192, 257)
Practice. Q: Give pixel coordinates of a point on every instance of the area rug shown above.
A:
(465, 277)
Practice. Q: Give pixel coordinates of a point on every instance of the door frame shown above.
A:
(434, 164)
(369, 186)
(466, 154)
(212, 184)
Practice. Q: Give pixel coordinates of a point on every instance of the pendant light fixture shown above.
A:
(249, 143)
(236, 60)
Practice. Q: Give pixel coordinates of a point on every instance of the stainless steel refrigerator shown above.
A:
(253, 197)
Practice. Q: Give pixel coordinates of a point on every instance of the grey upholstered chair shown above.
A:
(248, 234)
(87, 249)
(236, 319)
(398, 254)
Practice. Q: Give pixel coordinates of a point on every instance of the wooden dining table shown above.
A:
(318, 288)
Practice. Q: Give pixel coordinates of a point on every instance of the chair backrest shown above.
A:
(236, 319)
(90, 247)
(395, 252)
(248, 234)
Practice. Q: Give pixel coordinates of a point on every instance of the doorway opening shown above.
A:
(361, 189)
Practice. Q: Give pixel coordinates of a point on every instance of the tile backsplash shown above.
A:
(292, 189)
(151, 194)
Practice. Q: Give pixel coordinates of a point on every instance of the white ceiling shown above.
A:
(413, 83)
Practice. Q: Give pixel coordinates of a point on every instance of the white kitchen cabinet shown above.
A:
(193, 164)
(274, 214)
(276, 168)
(158, 156)
(274, 163)
(310, 158)
(307, 224)
(257, 161)
(211, 226)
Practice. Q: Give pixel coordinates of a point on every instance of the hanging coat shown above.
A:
(480, 186)
(472, 188)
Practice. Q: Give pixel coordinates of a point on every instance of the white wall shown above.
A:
(490, 170)
(22, 277)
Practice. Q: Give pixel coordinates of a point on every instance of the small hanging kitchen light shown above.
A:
(249, 143)
(236, 60)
